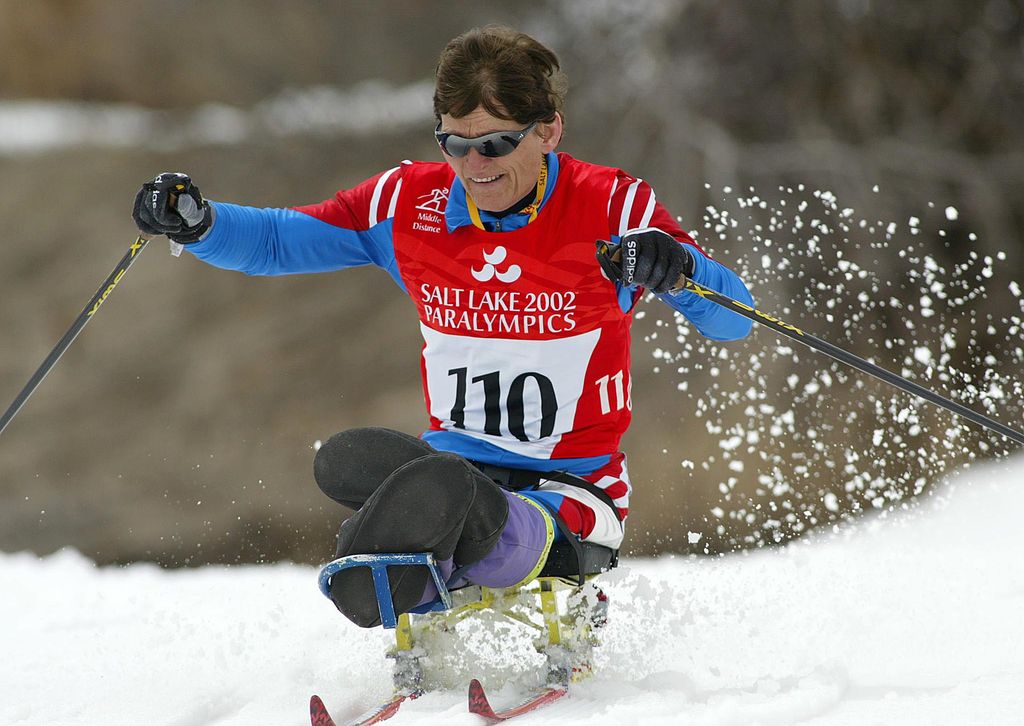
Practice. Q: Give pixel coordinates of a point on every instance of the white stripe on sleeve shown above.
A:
(611, 196)
(377, 190)
(394, 200)
(627, 207)
(649, 211)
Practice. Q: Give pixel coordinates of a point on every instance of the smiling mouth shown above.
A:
(486, 179)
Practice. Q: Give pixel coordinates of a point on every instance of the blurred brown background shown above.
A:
(181, 426)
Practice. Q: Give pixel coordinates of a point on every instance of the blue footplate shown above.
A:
(379, 565)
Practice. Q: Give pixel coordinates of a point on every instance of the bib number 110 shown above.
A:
(515, 402)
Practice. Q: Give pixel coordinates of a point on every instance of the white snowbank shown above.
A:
(908, 620)
(35, 126)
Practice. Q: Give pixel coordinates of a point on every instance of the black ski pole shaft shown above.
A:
(69, 337)
(791, 331)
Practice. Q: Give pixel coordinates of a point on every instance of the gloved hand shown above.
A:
(647, 258)
(172, 205)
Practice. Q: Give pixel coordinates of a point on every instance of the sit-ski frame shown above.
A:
(565, 635)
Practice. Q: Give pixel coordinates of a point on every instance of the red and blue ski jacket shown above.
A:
(526, 355)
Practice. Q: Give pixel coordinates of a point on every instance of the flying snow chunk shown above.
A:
(952, 213)
(730, 443)
(922, 355)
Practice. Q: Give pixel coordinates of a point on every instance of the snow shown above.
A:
(911, 618)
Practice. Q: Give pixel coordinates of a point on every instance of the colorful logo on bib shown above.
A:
(490, 269)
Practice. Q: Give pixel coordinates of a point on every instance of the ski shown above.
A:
(318, 713)
(479, 704)
(319, 716)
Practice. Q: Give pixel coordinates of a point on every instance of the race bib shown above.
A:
(519, 395)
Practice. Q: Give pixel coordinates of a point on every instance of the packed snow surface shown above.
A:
(912, 618)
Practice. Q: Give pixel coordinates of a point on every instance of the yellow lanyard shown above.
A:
(532, 209)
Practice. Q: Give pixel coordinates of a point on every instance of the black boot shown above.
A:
(352, 464)
(431, 504)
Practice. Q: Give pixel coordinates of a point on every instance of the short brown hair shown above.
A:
(507, 72)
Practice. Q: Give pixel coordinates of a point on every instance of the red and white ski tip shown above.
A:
(479, 704)
(318, 715)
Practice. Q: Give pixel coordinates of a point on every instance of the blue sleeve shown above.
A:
(286, 242)
(711, 319)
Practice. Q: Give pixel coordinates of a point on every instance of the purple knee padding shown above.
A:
(519, 548)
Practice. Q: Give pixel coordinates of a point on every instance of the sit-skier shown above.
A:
(526, 355)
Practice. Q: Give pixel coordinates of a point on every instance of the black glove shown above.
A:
(647, 258)
(172, 205)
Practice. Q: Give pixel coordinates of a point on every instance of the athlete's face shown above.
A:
(496, 183)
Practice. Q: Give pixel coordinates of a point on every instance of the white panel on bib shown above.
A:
(519, 395)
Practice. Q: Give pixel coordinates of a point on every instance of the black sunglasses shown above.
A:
(499, 143)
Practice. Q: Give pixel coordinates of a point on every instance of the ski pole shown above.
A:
(80, 322)
(791, 331)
